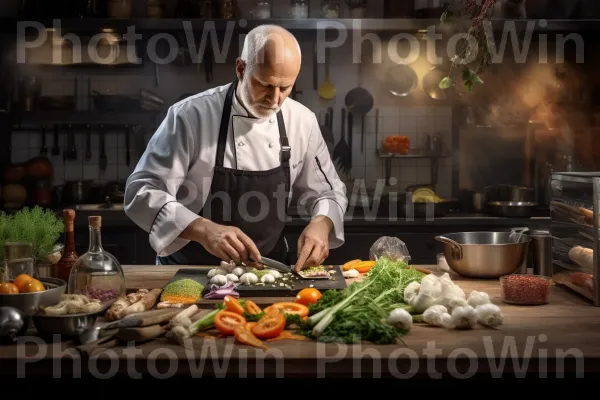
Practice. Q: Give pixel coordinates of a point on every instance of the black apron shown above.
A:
(264, 226)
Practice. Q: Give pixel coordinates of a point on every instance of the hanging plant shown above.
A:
(476, 15)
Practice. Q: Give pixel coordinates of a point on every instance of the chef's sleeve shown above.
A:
(320, 188)
(151, 195)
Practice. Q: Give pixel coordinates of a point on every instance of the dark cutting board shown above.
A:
(268, 291)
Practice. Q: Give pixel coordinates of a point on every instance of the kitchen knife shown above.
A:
(281, 267)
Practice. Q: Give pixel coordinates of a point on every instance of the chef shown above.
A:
(218, 175)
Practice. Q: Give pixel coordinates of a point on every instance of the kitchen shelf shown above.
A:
(85, 117)
(307, 24)
(385, 155)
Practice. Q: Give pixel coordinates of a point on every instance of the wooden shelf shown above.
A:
(85, 117)
(308, 24)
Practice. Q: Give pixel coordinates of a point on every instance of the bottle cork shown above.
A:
(95, 222)
(69, 219)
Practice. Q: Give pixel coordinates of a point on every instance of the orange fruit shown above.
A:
(22, 281)
(35, 286)
(8, 288)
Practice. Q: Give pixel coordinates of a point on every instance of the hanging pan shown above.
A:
(401, 80)
(359, 101)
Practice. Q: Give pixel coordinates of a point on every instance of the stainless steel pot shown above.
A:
(485, 254)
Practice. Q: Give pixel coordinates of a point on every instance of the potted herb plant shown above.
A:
(36, 226)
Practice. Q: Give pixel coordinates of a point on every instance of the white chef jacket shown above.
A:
(172, 179)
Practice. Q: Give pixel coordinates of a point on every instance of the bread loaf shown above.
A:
(583, 257)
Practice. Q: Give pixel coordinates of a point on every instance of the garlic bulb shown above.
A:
(232, 278)
(216, 271)
(219, 280)
(248, 278)
(238, 271)
(267, 278)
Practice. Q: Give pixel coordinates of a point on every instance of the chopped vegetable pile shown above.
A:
(183, 291)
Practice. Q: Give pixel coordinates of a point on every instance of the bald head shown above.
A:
(272, 45)
(267, 68)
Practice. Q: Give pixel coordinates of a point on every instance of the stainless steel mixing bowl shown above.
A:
(67, 326)
(28, 303)
(484, 254)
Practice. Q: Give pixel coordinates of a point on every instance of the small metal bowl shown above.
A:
(29, 303)
(66, 326)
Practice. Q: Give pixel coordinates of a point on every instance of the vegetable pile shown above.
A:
(243, 319)
(359, 312)
(183, 291)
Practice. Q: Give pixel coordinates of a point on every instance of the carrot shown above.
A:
(348, 266)
(287, 335)
(364, 266)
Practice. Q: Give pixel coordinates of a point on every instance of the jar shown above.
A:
(299, 9)
(120, 8)
(525, 289)
(155, 9)
(262, 10)
(330, 9)
(228, 9)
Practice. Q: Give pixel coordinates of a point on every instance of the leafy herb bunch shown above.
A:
(36, 226)
(478, 45)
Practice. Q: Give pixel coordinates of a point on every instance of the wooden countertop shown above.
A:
(565, 331)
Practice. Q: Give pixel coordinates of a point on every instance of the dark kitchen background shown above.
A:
(72, 132)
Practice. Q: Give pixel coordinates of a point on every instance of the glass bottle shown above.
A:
(97, 273)
(65, 264)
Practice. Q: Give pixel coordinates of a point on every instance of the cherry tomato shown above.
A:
(231, 304)
(270, 325)
(308, 296)
(245, 336)
(8, 288)
(35, 286)
(290, 308)
(226, 321)
(251, 307)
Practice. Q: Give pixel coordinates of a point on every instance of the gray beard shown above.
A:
(257, 112)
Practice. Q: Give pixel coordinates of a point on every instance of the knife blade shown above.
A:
(279, 266)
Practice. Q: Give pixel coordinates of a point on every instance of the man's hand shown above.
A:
(313, 244)
(226, 242)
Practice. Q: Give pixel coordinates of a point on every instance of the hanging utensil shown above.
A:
(431, 84)
(359, 100)
(88, 143)
(127, 155)
(55, 147)
(401, 80)
(44, 148)
(341, 151)
(102, 161)
(326, 129)
(327, 90)
(350, 134)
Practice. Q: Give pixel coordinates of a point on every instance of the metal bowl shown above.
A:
(67, 326)
(484, 254)
(28, 303)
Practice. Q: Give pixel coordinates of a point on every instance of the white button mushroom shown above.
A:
(238, 271)
(216, 271)
(267, 278)
(219, 280)
(248, 278)
(232, 278)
